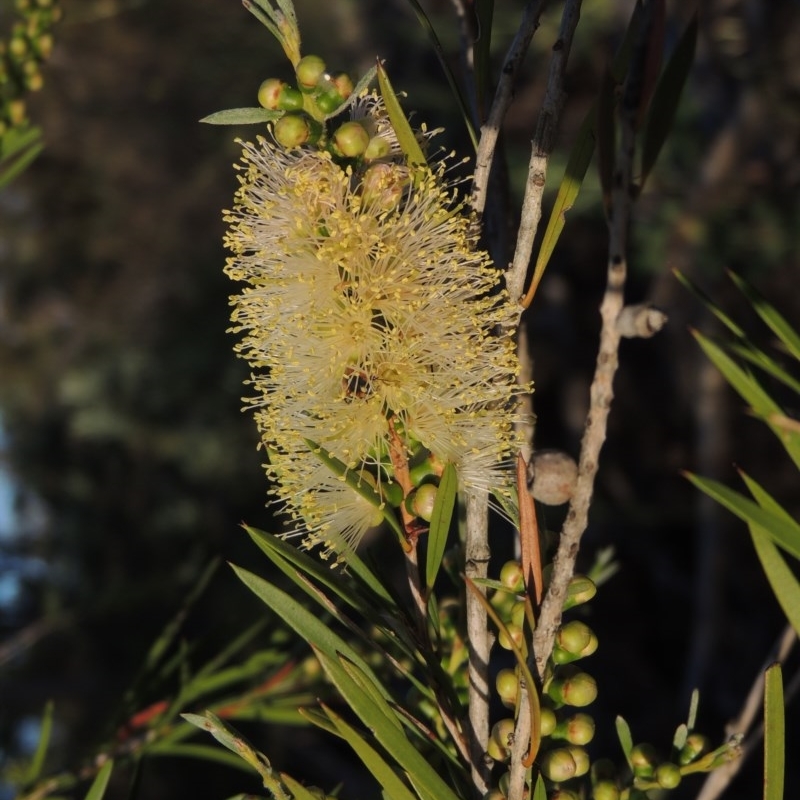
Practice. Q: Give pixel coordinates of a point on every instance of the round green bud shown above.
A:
(350, 139)
(605, 790)
(424, 469)
(580, 590)
(578, 729)
(34, 81)
(328, 102)
(290, 99)
(16, 112)
(421, 501)
(512, 577)
(344, 85)
(504, 783)
(44, 45)
(574, 636)
(378, 147)
(548, 721)
(17, 47)
(512, 633)
(269, 92)
(644, 758)
(579, 689)
(581, 759)
(295, 129)
(500, 739)
(696, 744)
(507, 685)
(391, 493)
(309, 71)
(668, 775)
(558, 765)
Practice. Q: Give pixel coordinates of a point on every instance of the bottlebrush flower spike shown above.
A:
(360, 307)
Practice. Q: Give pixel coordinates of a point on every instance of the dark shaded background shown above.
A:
(120, 396)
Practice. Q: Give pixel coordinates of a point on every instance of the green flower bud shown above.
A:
(605, 790)
(511, 633)
(383, 186)
(426, 468)
(17, 47)
(580, 590)
(269, 92)
(504, 783)
(578, 729)
(558, 765)
(696, 744)
(668, 775)
(328, 102)
(16, 112)
(309, 70)
(378, 147)
(548, 721)
(500, 739)
(44, 45)
(295, 129)
(512, 577)
(350, 139)
(644, 758)
(290, 99)
(391, 493)
(581, 759)
(420, 502)
(344, 85)
(578, 689)
(574, 636)
(507, 685)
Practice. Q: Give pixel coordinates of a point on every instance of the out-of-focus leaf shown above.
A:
(202, 752)
(484, 14)
(425, 22)
(310, 627)
(666, 97)
(625, 738)
(710, 305)
(440, 523)
(17, 152)
(381, 771)
(98, 788)
(774, 734)
(539, 790)
(376, 715)
(242, 116)
(758, 358)
(783, 530)
(750, 389)
(776, 322)
(405, 135)
(37, 762)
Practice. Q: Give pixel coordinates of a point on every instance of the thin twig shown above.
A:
(718, 780)
(478, 638)
(502, 100)
(543, 142)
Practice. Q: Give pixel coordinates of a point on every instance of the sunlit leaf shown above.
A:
(774, 734)
(242, 116)
(98, 788)
(783, 530)
(440, 523)
(405, 135)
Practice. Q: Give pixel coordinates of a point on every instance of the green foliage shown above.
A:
(774, 734)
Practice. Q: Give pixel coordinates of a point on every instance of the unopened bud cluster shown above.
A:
(22, 54)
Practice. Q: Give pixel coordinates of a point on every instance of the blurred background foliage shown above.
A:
(127, 464)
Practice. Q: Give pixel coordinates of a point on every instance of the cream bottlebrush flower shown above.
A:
(366, 301)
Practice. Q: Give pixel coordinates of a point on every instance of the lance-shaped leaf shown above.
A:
(299, 792)
(405, 134)
(440, 523)
(625, 738)
(242, 116)
(783, 530)
(98, 788)
(774, 734)
(666, 96)
(45, 731)
(18, 148)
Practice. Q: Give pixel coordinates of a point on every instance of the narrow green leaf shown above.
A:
(440, 523)
(405, 135)
(298, 791)
(783, 531)
(376, 716)
(679, 739)
(539, 790)
(98, 788)
(710, 305)
(37, 762)
(381, 771)
(354, 480)
(16, 166)
(747, 352)
(242, 116)
(751, 391)
(666, 97)
(774, 734)
(625, 738)
(425, 22)
(202, 752)
(691, 718)
(309, 627)
(776, 322)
